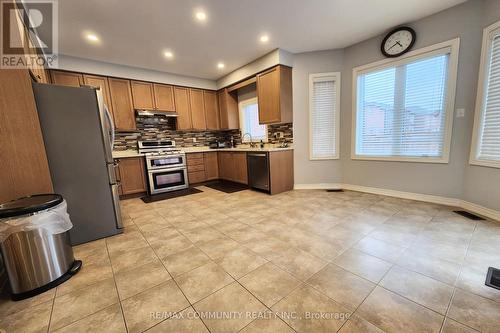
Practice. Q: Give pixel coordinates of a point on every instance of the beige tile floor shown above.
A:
(305, 261)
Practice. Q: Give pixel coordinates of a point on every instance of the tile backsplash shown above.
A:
(151, 129)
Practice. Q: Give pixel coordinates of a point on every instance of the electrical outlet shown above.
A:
(460, 113)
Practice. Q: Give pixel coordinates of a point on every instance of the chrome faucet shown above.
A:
(252, 144)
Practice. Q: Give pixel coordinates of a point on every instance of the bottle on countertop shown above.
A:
(233, 144)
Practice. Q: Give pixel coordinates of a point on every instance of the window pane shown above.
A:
(489, 147)
(249, 116)
(401, 110)
(323, 119)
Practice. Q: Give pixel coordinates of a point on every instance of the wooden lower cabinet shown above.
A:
(131, 175)
(202, 167)
(281, 171)
(233, 167)
(196, 168)
(226, 166)
(240, 167)
(211, 166)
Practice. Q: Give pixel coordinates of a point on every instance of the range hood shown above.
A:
(156, 113)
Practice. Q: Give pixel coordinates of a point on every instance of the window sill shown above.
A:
(483, 163)
(324, 158)
(431, 160)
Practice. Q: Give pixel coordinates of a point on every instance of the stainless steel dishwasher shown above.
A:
(258, 171)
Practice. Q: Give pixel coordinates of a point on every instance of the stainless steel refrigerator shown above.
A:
(78, 132)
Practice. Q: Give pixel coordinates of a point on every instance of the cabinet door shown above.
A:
(226, 166)
(181, 96)
(240, 167)
(196, 177)
(142, 95)
(268, 93)
(164, 97)
(100, 82)
(197, 109)
(211, 166)
(211, 110)
(132, 175)
(228, 108)
(121, 101)
(66, 78)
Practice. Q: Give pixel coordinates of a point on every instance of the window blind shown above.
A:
(323, 118)
(401, 110)
(489, 140)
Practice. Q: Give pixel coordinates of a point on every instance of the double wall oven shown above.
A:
(165, 165)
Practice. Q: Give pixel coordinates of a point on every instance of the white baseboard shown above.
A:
(405, 195)
(481, 210)
(319, 186)
(454, 202)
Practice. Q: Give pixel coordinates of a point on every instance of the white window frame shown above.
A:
(488, 35)
(241, 106)
(451, 47)
(330, 76)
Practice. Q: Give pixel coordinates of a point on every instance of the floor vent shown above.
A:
(335, 190)
(493, 278)
(468, 215)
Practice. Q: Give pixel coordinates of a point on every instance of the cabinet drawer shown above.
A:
(195, 161)
(196, 177)
(196, 167)
(194, 156)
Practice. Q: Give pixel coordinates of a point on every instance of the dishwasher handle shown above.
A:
(257, 155)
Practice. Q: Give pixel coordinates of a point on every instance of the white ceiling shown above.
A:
(135, 32)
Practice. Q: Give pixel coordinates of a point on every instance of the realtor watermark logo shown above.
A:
(29, 34)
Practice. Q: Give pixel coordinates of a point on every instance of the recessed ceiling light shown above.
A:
(220, 65)
(264, 38)
(92, 37)
(168, 54)
(201, 15)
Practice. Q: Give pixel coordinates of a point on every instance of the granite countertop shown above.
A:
(135, 153)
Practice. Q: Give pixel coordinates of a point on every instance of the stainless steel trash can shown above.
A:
(36, 259)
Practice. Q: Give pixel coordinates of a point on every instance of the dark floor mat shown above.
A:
(170, 195)
(227, 187)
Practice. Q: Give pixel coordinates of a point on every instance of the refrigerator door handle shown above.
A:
(116, 204)
(111, 126)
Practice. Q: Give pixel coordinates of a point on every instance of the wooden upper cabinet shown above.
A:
(100, 82)
(182, 107)
(121, 101)
(211, 110)
(228, 109)
(66, 78)
(142, 95)
(197, 109)
(164, 97)
(240, 167)
(274, 92)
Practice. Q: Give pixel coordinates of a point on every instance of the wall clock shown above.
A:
(398, 42)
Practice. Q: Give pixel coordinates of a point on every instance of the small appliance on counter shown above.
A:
(165, 165)
(217, 144)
